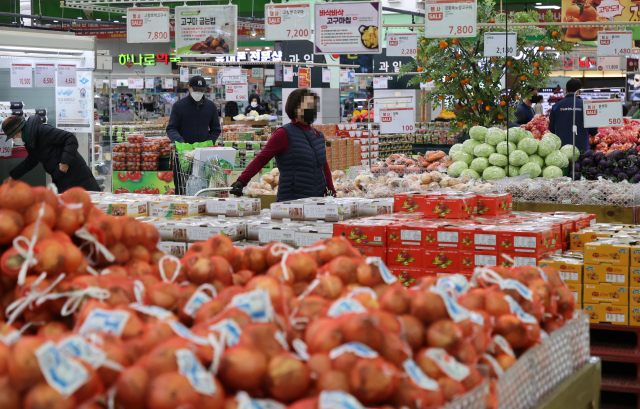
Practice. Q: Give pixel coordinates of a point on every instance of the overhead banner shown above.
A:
(74, 104)
(450, 18)
(206, 30)
(348, 27)
(607, 10)
(287, 22)
(148, 25)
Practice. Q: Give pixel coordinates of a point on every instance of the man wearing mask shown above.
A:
(562, 115)
(194, 118)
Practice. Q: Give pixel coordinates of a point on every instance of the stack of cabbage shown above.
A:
(485, 154)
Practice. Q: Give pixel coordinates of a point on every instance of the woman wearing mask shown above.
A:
(255, 105)
(299, 151)
(55, 148)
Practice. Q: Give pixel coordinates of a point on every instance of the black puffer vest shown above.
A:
(301, 168)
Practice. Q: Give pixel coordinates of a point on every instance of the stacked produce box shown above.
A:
(436, 132)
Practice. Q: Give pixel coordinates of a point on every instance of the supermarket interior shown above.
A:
(310, 204)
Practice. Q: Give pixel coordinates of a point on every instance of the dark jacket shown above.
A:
(192, 122)
(51, 147)
(524, 114)
(261, 109)
(561, 122)
(301, 168)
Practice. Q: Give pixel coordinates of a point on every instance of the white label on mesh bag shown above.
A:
(494, 364)
(524, 241)
(196, 374)
(256, 304)
(100, 320)
(186, 333)
(384, 270)
(61, 372)
(345, 306)
(447, 364)
(411, 235)
(153, 310)
(355, 348)
(456, 282)
(10, 338)
(338, 400)
(511, 284)
(78, 347)
(246, 402)
(195, 302)
(503, 344)
(519, 312)
(456, 312)
(233, 330)
(477, 318)
(419, 377)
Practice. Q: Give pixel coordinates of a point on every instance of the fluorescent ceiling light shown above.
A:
(262, 38)
(247, 49)
(55, 50)
(253, 32)
(116, 21)
(547, 7)
(79, 18)
(55, 21)
(538, 4)
(98, 19)
(123, 16)
(267, 48)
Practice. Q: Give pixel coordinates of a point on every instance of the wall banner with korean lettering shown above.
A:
(383, 63)
(348, 27)
(148, 25)
(612, 10)
(302, 51)
(206, 30)
(74, 104)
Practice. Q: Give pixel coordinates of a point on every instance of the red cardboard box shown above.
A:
(405, 234)
(521, 259)
(415, 273)
(469, 260)
(441, 260)
(527, 239)
(410, 202)
(364, 232)
(405, 257)
(448, 235)
(373, 251)
(454, 206)
(494, 204)
(475, 237)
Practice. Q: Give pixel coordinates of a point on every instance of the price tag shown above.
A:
(602, 113)
(5, 147)
(167, 83)
(615, 42)
(632, 64)
(496, 45)
(450, 18)
(380, 83)
(344, 75)
(236, 92)
(287, 22)
(402, 44)
(184, 74)
(45, 75)
(148, 25)
(21, 76)
(136, 83)
(609, 63)
(287, 73)
(66, 75)
(396, 120)
(149, 82)
(231, 71)
(326, 75)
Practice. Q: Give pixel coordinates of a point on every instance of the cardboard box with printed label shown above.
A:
(330, 210)
(288, 210)
(470, 259)
(607, 251)
(174, 248)
(171, 231)
(128, 207)
(607, 313)
(634, 297)
(284, 233)
(406, 234)
(177, 209)
(233, 229)
(253, 227)
(606, 273)
(634, 260)
(373, 251)
(576, 290)
(634, 316)
(570, 269)
(526, 239)
(520, 259)
(494, 204)
(478, 238)
(605, 293)
(410, 202)
(375, 207)
(366, 232)
(307, 236)
(442, 260)
(405, 257)
(453, 206)
(409, 274)
(578, 239)
(234, 207)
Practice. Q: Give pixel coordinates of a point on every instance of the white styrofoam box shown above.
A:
(204, 154)
(365, 162)
(364, 155)
(374, 154)
(364, 148)
(374, 147)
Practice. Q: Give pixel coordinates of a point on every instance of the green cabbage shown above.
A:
(567, 150)
(536, 159)
(515, 135)
(462, 156)
(556, 158)
(469, 145)
(528, 145)
(502, 147)
(471, 173)
(518, 158)
(478, 133)
(528, 134)
(513, 171)
(479, 164)
(495, 136)
(456, 168)
(455, 148)
(555, 138)
(484, 150)
(497, 159)
(493, 173)
(546, 146)
(531, 168)
(551, 172)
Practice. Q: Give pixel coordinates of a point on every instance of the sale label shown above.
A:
(609, 63)
(167, 83)
(66, 75)
(450, 18)
(287, 22)
(615, 42)
(148, 25)
(396, 120)
(500, 44)
(21, 76)
(402, 44)
(45, 75)
(304, 77)
(184, 74)
(236, 92)
(6, 147)
(380, 83)
(136, 83)
(602, 113)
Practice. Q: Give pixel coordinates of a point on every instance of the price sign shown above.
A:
(609, 63)
(304, 77)
(136, 83)
(380, 83)
(148, 25)
(348, 27)
(496, 45)
(45, 75)
(184, 74)
(396, 120)
(402, 44)
(167, 83)
(602, 113)
(236, 92)
(6, 148)
(287, 22)
(21, 76)
(149, 82)
(615, 42)
(66, 75)
(632, 64)
(287, 73)
(232, 71)
(450, 18)
(326, 75)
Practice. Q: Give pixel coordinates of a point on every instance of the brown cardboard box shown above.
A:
(576, 289)
(607, 313)
(605, 293)
(606, 273)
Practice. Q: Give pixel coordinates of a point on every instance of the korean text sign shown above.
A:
(206, 30)
(348, 27)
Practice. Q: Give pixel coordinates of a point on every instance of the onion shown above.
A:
(333, 380)
(22, 365)
(373, 380)
(140, 252)
(272, 285)
(242, 277)
(566, 302)
(450, 388)
(318, 363)
(467, 354)
(512, 329)
(165, 295)
(172, 390)
(343, 267)
(368, 274)
(427, 306)
(208, 310)
(362, 328)
(222, 272)
(255, 259)
(221, 246)
(9, 398)
(394, 349)
(412, 396)
(472, 380)
(304, 267)
(238, 260)
(525, 274)
(329, 287)
(132, 231)
(199, 270)
(228, 293)
(78, 195)
(262, 337)
(16, 195)
(444, 334)
(396, 299)
(545, 293)
(68, 220)
(473, 300)
(242, 368)
(44, 396)
(33, 211)
(334, 247)
(388, 321)
(323, 335)
(413, 331)
(287, 378)
(495, 304)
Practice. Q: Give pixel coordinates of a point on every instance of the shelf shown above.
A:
(619, 383)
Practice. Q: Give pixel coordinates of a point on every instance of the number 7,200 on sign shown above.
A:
(450, 18)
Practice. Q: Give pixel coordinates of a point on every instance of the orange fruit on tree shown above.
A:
(523, 77)
(493, 20)
(541, 48)
(536, 72)
(443, 44)
(447, 78)
(487, 108)
(503, 103)
(479, 101)
(474, 107)
(460, 124)
(429, 79)
(509, 63)
(454, 75)
(467, 81)
(457, 55)
(424, 41)
(419, 69)
(440, 97)
(555, 34)
(500, 116)
(536, 64)
(471, 51)
(454, 41)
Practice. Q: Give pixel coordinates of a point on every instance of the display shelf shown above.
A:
(621, 346)
(619, 400)
(425, 147)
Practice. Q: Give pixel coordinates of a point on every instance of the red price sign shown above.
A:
(237, 92)
(396, 120)
(602, 113)
(298, 33)
(615, 43)
(402, 44)
(45, 74)
(287, 21)
(148, 25)
(21, 75)
(451, 18)
(66, 75)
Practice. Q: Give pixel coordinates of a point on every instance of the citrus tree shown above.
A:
(462, 75)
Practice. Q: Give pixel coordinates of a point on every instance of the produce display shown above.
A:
(538, 126)
(97, 317)
(619, 138)
(268, 185)
(616, 165)
(362, 116)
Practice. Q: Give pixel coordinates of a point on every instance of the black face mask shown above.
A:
(309, 115)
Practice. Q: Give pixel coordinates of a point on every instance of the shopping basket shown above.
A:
(194, 177)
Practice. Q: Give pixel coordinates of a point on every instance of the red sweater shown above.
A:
(279, 144)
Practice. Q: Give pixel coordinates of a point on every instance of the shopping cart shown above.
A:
(193, 177)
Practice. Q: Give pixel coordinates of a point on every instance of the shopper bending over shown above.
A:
(561, 118)
(55, 148)
(299, 152)
(255, 105)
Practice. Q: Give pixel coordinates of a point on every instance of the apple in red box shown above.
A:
(519, 259)
(494, 204)
(363, 232)
(526, 239)
(453, 206)
(405, 234)
(411, 202)
(442, 259)
(470, 259)
(373, 251)
(407, 275)
(405, 257)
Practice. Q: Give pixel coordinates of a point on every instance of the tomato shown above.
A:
(170, 191)
(168, 177)
(122, 190)
(122, 176)
(134, 176)
(138, 190)
(152, 191)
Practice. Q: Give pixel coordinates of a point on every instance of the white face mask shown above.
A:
(254, 104)
(196, 95)
(18, 141)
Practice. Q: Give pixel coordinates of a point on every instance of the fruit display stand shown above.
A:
(579, 391)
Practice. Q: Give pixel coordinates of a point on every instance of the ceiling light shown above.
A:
(55, 21)
(123, 16)
(116, 21)
(262, 38)
(547, 7)
(98, 19)
(247, 49)
(267, 48)
(79, 18)
(538, 4)
(253, 32)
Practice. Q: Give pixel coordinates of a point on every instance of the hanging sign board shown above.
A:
(380, 83)
(6, 147)
(287, 22)
(450, 18)
(231, 71)
(396, 120)
(206, 30)
(184, 74)
(609, 64)
(148, 25)
(326, 75)
(287, 73)
(236, 92)
(348, 27)
(496, 45)
(257, 73)
(149, 82)
(136, 83)
(66, 75)
(602, 113)
(21, 76)
(402, 44)
(167, 83)
(615, 42)
(45, 75)
(74, 103)
(304, 77)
